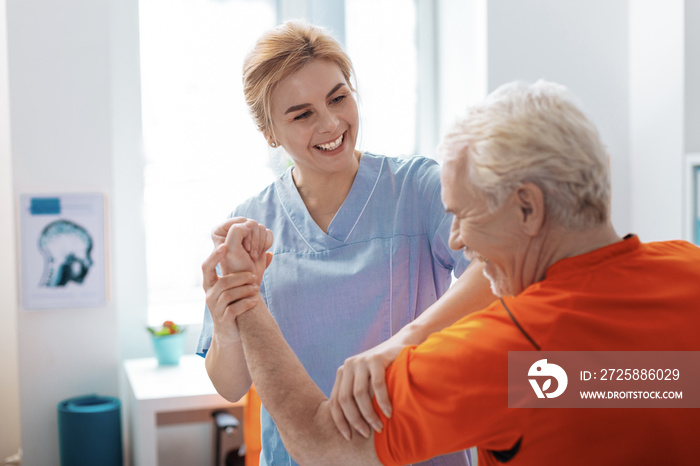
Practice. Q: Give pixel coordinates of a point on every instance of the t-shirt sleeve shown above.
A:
(447, 396)
(204, 341)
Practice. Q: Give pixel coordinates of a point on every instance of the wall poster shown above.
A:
(62, 259)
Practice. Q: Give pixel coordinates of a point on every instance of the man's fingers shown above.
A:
(237, 233)
(248, 238)
(218, 233)
(261, 240)
(209, 276)
(268, 259)
(268, 239)
(237, 257)
(254, 242)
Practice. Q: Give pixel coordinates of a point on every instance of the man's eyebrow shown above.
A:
(294, 108)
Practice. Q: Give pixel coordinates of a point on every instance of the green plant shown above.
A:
(168, 328)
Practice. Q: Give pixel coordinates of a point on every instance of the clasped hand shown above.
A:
(240, 250)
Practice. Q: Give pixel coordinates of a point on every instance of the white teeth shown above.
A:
(331, 145)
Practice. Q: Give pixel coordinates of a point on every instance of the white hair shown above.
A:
(536, 133)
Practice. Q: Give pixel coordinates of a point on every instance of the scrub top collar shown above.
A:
(343, 224)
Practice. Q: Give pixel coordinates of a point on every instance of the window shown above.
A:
(204, 155)
(385, 61)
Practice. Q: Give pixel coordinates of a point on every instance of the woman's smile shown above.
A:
(331, 146)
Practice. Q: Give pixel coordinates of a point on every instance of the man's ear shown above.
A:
(530, 200)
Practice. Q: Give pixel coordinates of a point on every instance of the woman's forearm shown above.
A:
(471, 292)
(227, 369)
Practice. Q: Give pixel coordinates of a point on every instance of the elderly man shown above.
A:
(527, 178)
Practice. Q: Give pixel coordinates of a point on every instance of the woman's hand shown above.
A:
(357, 381)
(228, 296)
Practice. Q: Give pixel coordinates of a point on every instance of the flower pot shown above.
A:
(169, 348)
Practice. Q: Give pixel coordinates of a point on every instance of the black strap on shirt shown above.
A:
(503, 456)
(517, 324)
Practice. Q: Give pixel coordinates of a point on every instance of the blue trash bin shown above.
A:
(89, 431)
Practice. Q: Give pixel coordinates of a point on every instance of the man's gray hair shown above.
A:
(536, 133)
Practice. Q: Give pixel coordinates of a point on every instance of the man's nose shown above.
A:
(455, 242)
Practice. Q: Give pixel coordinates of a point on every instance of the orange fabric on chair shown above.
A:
(251, 428)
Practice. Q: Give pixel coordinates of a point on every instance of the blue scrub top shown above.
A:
(383, 261)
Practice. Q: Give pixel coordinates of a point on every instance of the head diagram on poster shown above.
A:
(66, 248)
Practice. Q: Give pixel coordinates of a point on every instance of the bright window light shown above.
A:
(380, 37)
(204, 155)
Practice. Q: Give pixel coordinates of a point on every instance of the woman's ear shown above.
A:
(269, 135)
(530, 200)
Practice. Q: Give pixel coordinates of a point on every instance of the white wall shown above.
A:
(129, 261)
(581, 44)
(692, 76)
(75, 111)
(657, 112)
(9, 387)
(462, 60)
(60, 109)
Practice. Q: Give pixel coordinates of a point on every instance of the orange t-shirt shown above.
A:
(451, 392)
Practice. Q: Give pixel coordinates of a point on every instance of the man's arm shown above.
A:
(299, 408)
(242, 267)
(362, 376)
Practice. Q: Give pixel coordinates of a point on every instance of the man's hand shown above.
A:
(219, 232)
(357, 381)
(246, 243)
(241, 254)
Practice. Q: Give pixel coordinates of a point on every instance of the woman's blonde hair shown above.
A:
(279, 53)
(536, 133)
